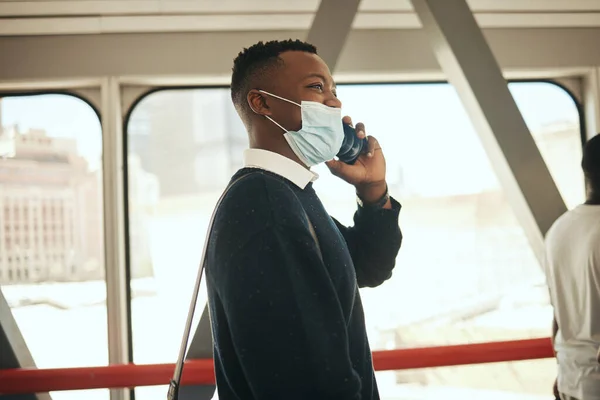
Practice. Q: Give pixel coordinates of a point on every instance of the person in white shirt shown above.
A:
(572, 266)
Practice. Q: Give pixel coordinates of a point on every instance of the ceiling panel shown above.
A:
(52, 17)
(15, 8)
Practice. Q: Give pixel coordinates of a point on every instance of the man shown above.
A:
(573, 275)
(282, 275)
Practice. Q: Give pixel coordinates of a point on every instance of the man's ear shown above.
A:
(258, 103)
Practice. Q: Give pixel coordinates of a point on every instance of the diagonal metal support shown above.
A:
(470, 66)
(200, 347)
(14, 352)
(330, 28)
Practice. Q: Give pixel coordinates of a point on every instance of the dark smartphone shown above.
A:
(352, 146)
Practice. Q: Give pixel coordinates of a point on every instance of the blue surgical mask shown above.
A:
(321, 135)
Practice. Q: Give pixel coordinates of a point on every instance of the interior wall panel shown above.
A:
(200, 54)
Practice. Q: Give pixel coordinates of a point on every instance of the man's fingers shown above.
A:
(372, 145)
(360, 130)
(361, 133)
(337, 167)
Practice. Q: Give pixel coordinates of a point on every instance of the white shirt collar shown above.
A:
(280, 165)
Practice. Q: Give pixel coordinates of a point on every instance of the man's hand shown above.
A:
(555, 390)
(368, 172)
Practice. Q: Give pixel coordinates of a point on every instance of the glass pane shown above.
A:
(182, 152)
(463, 249)
(466, 272)
(51, 236)
(553, 119)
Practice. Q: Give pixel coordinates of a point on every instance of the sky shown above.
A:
(60, 116)
(423, 128)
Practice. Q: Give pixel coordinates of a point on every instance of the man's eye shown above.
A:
(318, 86)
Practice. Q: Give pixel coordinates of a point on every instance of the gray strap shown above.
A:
(173, 391)
(314, 235)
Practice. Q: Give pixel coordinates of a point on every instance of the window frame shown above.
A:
(80, 93)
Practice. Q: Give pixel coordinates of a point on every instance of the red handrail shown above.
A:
(198, 372)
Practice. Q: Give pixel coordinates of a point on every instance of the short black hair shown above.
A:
(256, 60)
(591, 159)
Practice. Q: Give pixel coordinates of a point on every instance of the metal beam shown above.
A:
(114, 230)
(200, 347)
(470, 66)
(14, 352)
(330, 28)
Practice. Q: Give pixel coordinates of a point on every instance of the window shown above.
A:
(463, 249)
(54, 168)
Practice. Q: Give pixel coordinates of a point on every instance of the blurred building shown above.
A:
(560, 140)
(143, 199)
(193, 140)
(51, 213)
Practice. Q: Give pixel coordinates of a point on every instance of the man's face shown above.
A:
(304, 77)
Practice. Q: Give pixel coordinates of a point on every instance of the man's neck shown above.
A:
(280, 147)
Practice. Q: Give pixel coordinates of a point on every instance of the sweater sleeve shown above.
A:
(374, 242)
(285, 320)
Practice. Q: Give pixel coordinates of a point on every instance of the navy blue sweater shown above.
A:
(288, 322)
